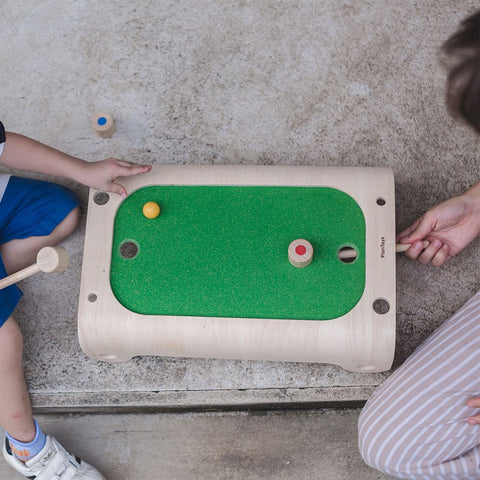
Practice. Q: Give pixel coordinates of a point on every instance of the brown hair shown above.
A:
(463, 83)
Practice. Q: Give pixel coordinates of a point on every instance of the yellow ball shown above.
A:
(151, 210)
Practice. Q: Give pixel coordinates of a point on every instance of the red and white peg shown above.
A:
(300, 253)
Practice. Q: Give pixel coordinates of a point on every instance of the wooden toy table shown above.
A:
(210, 276)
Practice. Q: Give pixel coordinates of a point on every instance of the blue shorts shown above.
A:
(29, 208)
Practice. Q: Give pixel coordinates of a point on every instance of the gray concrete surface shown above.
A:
(329, 83)
(202, 82)
(295, 445)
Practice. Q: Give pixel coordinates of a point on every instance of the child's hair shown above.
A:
(463, 84)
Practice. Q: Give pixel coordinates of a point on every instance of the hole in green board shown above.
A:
(347, 254)
(128, 249)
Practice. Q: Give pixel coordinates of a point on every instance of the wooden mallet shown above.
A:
(49, 260)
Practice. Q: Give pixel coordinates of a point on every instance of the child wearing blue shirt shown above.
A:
(34, 214)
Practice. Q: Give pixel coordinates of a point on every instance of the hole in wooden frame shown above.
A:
(101, 198)
(381, 306)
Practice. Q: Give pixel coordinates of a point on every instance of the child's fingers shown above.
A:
(126, 169)
(118, 189)
(125, 163)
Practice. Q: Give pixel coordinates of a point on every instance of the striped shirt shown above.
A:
(415, 425)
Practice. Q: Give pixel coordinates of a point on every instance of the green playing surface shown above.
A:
(222, 251)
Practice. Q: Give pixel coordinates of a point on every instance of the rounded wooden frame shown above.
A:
(363, 340)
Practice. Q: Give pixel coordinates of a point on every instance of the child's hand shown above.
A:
(23, 153)
(449, 227)
(102, 175)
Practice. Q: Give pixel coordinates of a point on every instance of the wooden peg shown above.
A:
(103, 124)
(300, 253)
(49, 260)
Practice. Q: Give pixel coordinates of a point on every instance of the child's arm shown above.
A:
(23, 153)
(449, 227)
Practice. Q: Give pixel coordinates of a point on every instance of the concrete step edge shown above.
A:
(172, 401)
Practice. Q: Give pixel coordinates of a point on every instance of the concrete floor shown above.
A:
(201, 82)
(293, 445)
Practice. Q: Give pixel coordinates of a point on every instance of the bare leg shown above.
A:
(18, 254)
(15, 407)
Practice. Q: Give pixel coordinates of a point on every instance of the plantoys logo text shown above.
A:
(382, 248)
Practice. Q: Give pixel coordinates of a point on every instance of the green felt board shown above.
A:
(222, 251)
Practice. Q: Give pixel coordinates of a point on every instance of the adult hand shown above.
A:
(449, 227)
(474, 403)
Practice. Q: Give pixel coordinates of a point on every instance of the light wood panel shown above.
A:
(363, 340)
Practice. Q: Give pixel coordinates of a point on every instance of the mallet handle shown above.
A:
(18, 276)
(403, 247)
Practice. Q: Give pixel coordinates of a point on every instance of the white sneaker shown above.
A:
(53, 462)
